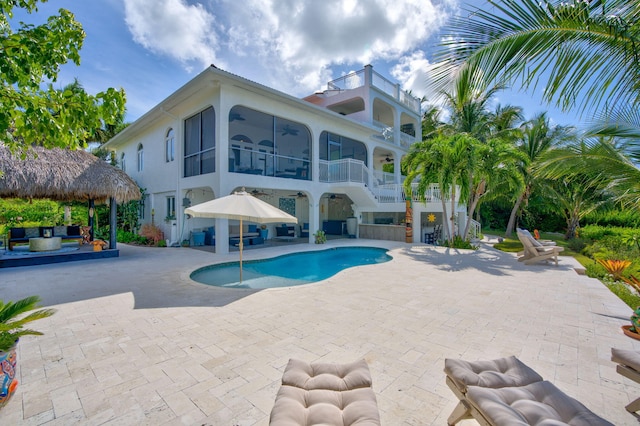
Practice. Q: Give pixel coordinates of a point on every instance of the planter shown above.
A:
(97, 247)
(8, 381)
(264, 233)
(626, 329)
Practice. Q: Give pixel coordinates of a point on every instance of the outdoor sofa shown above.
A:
(22, 235)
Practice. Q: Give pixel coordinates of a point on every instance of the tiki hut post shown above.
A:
(92, 212)
(113, 209)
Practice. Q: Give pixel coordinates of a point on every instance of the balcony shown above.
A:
(358, 79)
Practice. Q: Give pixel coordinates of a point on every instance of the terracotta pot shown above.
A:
(626, 330)
(8, 381)
(97, 247)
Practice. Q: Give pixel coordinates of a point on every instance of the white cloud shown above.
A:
(290, 45)
(173, 28)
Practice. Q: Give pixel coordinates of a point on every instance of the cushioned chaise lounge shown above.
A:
(325, 394)
(505, 391)
(534, 252)
(629, 366)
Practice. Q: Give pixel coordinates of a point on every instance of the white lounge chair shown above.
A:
(533, 251)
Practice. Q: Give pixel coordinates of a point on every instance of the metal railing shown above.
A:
(345, 170)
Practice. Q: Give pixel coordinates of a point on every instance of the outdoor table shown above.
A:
(45, 244)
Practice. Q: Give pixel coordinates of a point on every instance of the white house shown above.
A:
(319, 158)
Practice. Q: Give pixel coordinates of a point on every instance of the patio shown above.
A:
(135, 341)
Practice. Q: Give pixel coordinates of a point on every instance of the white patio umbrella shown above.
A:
(240, 206)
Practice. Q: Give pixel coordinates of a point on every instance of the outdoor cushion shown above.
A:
(41, 230)
(496, 373)
(539, 403)
(252, 228)
(337, 377)
(32, 232)
(295, 406)
(59, 230)
(327, 394)
(17, 233)
(73, 230)
(626, 357)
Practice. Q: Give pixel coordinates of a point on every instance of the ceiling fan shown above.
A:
(299, 195)
(334, 197)
(387, 158)
(257, 193)
(233, 116)
(289, 130)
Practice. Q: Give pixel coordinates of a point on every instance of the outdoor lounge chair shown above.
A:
(327, 394)
(628, 366)
(534, 252)
(505, 391)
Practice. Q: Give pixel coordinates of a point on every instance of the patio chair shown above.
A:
(538, 240)
(507, 391)
(628, 366)
(323, 393)
(534, 252)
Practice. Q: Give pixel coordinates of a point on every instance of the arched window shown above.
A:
(140, 158)
(123, 165)
(170, 146)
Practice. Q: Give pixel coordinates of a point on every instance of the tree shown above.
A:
(586, 55)
(538, 136)
(446, 160)
(33, 112)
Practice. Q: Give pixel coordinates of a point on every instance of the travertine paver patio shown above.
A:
(136, 342)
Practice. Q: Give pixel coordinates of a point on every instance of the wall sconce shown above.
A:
(91, 212)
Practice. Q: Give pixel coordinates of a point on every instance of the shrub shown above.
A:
(595, 270)
(614, 267)
(152, 233)
(459, 243)
(625, 294)
(577, 244)
(130, 237)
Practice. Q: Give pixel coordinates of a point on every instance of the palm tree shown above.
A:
(538, 136)
(585, 50)
(446, 160)
(586, 54)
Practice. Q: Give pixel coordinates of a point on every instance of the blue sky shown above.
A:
(152, 47)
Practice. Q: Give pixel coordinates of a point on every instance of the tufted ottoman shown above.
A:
(537, 403)
(327, 394)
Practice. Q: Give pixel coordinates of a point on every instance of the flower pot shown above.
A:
(97, 247)
(8, 381)
(626, 330)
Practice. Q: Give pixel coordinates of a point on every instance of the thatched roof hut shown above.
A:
(63, 175)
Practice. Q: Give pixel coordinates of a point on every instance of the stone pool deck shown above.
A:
(135, 341)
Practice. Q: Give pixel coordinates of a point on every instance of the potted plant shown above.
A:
(11, 329)
(264, 232)
(321, 238)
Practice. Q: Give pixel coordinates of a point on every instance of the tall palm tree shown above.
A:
(446, 160)
(584, 50)
(586, 55)
(538, 137)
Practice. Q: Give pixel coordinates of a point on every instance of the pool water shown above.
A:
(289, 270)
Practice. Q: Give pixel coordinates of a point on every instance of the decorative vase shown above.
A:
(8, 381)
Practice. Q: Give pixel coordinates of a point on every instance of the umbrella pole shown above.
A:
(240, 245)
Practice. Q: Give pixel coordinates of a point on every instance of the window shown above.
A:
(171, 208)
(123, 165)
(199, 143)
(263, 144)
(336, 147)
(170, 146)
(140, 158)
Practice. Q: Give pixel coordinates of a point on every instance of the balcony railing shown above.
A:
(345, 170)
(359, 78)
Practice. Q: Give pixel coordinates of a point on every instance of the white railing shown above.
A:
(475, 229)
(383, 178)
(350, 170)
(345, 170)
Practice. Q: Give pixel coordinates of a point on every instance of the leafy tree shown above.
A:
(538, 137)
(33, 112)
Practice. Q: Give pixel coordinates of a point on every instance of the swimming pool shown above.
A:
(290, 269)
